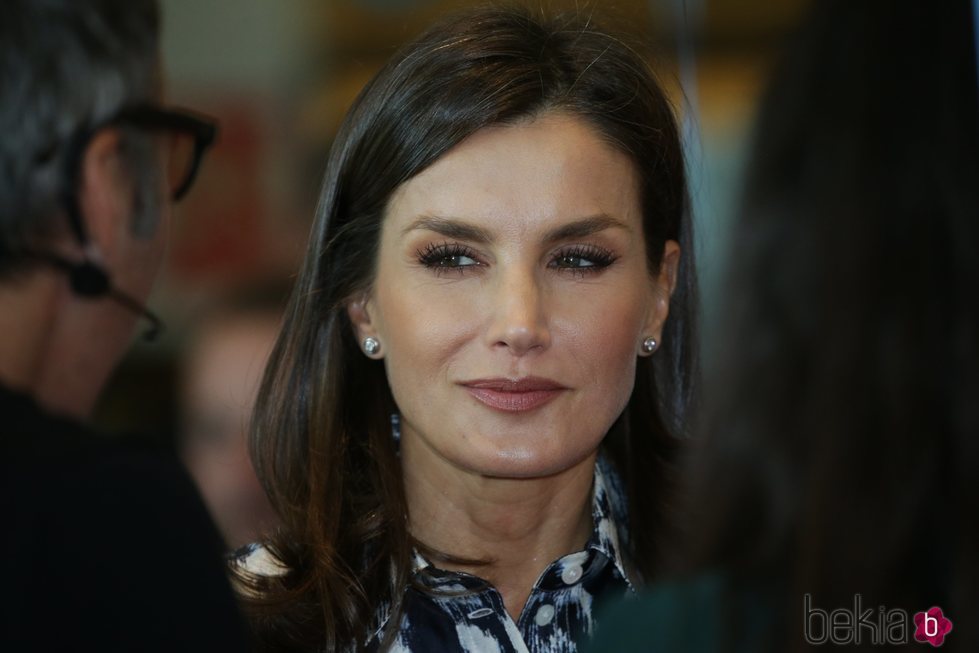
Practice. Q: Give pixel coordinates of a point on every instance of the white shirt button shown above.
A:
(571, 574)
(545, 614)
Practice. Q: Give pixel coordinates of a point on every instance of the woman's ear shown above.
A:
(669, 265)
(662, 290)
(360, 310)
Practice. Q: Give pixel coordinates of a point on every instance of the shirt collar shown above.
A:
(610, 516)
(609, 537)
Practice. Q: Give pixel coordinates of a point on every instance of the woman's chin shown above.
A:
(522, 462)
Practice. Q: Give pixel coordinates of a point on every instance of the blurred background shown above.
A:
(279, 75)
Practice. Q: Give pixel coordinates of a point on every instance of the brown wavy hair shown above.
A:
(321, 439)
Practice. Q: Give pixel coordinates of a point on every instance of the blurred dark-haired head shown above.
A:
(65, 65)
(840, 452)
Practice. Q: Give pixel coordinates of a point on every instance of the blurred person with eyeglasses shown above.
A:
(106, 544)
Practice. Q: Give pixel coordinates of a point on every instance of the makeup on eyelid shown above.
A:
(448, 256)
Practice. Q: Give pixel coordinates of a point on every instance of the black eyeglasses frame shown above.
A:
(144, 116)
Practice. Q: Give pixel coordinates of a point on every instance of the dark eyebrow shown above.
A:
(584, 227)
(451, 228)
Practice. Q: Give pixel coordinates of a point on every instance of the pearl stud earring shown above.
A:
(649, 345)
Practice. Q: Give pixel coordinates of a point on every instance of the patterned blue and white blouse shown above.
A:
(558, 614)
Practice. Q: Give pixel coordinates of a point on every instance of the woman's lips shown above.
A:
(514, 395)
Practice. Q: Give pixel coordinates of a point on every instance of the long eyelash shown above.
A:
(601, 257)
(598, 255)
(433, 254)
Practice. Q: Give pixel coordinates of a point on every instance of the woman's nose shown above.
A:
(519, 322)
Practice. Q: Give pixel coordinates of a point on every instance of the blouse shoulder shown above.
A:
(255, 559)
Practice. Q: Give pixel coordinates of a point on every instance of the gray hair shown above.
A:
(66, 65)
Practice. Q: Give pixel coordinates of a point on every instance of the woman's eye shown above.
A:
(444, 256)
(574, 262)
(455, 261)
(583, 259)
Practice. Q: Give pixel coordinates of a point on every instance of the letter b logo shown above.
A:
(932, 626)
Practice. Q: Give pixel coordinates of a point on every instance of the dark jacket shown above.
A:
(105, 545)
(704, 614)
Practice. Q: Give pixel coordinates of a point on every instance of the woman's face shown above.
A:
(512, 296)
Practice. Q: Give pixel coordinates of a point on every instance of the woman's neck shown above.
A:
(519, 526)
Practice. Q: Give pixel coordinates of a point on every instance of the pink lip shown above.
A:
(514, 395)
